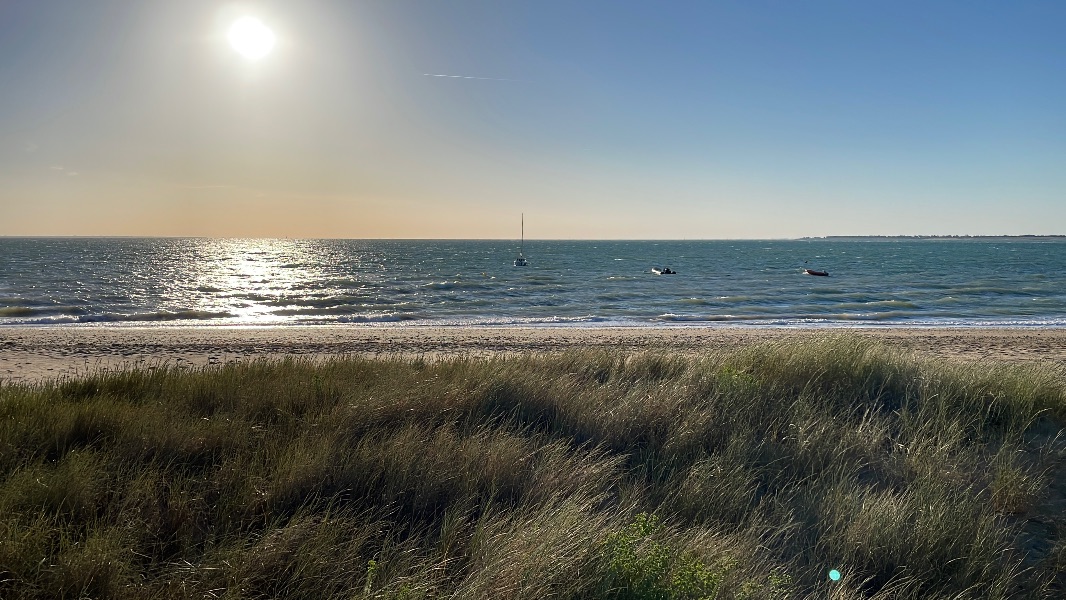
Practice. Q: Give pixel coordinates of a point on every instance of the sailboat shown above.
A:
(521, 260)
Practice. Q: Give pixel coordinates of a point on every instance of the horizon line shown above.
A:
(546, 239)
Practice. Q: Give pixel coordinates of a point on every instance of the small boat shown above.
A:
(816, 273)
(663, 271)
(521, 261)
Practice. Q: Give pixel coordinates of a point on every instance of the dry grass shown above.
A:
(585, 475)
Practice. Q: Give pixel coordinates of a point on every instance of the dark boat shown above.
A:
(816, 273)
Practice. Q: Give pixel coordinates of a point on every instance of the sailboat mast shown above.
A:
(520, 260)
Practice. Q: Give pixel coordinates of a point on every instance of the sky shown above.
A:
(596, 119)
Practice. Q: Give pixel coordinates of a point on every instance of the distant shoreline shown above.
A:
(1026, 237)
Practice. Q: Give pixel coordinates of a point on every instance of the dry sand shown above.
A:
(31, 354)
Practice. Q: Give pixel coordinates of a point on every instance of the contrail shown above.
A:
(467, 77)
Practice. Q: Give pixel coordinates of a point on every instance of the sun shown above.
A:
(250, 38)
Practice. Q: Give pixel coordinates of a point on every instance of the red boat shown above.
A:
(817, 273)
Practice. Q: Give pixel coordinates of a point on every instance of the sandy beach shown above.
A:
(31, 354)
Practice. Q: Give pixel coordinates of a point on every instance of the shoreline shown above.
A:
(32, 354)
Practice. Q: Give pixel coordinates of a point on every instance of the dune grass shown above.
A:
(590, 474)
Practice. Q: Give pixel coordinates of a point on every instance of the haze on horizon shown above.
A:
(616, 119)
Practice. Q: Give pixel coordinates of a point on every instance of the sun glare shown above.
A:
(250, 38)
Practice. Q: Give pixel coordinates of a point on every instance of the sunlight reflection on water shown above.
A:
(282, 281)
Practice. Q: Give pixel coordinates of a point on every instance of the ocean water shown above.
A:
(1014, 282)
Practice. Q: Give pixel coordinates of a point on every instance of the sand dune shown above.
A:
(30, 354)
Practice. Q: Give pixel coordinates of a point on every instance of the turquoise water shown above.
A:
(1015, 282)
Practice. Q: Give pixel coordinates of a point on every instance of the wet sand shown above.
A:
(32, 354)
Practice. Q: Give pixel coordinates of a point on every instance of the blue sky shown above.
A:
(596, 119)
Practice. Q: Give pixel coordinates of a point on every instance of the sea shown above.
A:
(931, 282)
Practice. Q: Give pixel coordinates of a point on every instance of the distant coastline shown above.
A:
(1026, 237)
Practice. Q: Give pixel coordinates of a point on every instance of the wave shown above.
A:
(457, 284)
(785, 318)
(693, 318)
(336, 310)
(875, 316)
(414, 319)
(380, 318)
(29, 311)
(981, 290)
(17, 311)
(330, 302)
(877, 304)
(157, 316)
(539, 280)
(554, 320)
(179, 315)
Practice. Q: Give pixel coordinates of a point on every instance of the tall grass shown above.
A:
(591, 474)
